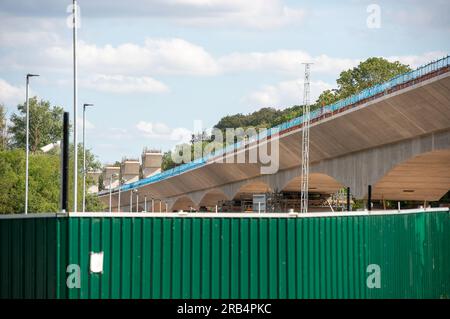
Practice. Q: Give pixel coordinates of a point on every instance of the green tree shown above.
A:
(44, 182)
(327, 97)
(167, 162)
(237, 120)
(45, 124)
(3, 132)
(368, 73)
(288, 114)
(261, 118)
(93, 204)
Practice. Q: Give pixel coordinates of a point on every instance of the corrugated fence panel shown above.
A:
(30, 256)
(326, 257)
(204, 257)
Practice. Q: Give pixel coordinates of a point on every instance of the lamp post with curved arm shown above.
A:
(27, 104)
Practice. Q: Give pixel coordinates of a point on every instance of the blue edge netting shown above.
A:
(363, 95)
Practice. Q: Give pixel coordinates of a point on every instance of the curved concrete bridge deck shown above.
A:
(398, 142)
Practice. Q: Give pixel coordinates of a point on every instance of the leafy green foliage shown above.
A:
(3, 133)
(45, 125)
(327, 97)
(44, 182)
(92, 202)
(45, 171)
(167, 162)
(368, 73)
(261, 118)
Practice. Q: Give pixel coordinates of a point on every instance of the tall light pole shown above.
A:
(131, 201)
(110, 191)
(145, 203)
(118, 196)
(137, 202)
(27, 140)
(121, 181)
(84, 153)
(75, 113)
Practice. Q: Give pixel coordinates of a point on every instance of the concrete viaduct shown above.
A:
(398, 142)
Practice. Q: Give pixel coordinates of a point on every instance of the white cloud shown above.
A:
(160, 130)
(290, 62)
(124, 84)
(117, 133)
(157, 56)
(259, 14)
(11, 95)
(426, 16)
(284, 94)
(255, 14)
(287, 93)
(284, 61)
(17, 31)
(176, 56)
(417, 60)
(89, 125)
(10, 38)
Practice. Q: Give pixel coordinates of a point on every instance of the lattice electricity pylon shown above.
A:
(305, 144)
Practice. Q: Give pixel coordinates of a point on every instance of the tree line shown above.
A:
(44, 168)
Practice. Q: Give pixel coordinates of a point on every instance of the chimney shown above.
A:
(151, 162)
(129, 170)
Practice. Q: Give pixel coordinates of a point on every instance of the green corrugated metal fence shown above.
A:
(223, 257)
(29, 253)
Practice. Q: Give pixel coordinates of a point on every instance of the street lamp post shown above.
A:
(118, 199)
(145, 203)
(137, 202)
(110, 191)
(131, 201)
(27, 140)
(121, 182)
(84, 154)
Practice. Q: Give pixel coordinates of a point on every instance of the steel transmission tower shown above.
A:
(305, 143)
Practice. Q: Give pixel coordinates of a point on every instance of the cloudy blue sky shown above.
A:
(153, 67)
